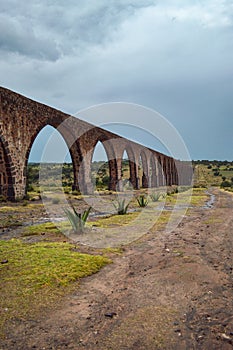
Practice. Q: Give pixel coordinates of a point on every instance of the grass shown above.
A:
(199, 197)
(19, 208)
(40, 229)
(10, 221)
(115, 220)
(35, 275)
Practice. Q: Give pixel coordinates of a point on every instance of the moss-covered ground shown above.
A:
(32, 276)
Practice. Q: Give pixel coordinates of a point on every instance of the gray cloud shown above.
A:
(173, 56)
(17, 38)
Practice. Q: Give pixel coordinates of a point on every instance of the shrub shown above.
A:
(2, 198)
(121, 207)
(66, 190)
(77, 220)
(142, 201)
(106, 180)
(75, 193)
(225, 184)
(30, 188)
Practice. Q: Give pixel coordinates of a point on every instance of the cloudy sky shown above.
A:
(175, 57)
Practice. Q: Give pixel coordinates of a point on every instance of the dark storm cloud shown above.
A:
(53, 28)
(18, 37)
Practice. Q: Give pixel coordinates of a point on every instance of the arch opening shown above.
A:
(129, 175)
(100, 168)
(125, 171)
(57, 157)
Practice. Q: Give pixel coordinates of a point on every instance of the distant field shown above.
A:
(207, 173)
(213, 174)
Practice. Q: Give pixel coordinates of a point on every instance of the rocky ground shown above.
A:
(166, 291)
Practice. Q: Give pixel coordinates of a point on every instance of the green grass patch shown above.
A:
(110, 250)
(10, 221)
(199, 197)
(40, 229)
(20, 208)
(32, 276)
(115, 220)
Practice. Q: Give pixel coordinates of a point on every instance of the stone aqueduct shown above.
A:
(21, 119)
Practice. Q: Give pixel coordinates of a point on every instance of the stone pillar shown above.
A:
(160, 172)
(119, 186)
(145, 181)
(154, 174)
(134, 175)
(84, 175)
(113, 175)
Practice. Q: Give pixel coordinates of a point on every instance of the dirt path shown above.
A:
(165, 292)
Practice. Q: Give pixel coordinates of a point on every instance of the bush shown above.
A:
(66, 190)
(75, 193)
(30, 188)
(225, 184)
(106, 180)
(2, 198)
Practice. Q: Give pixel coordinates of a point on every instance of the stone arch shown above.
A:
(88, 143)
(74, 149)
(21, 119)
(110, 159)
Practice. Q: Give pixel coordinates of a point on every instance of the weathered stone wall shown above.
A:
(21, 119)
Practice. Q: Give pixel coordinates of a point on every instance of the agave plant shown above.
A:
(155, 196)
(77, 220)
(121, 207)
(142, 201)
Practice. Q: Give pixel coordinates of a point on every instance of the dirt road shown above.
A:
(165, 292)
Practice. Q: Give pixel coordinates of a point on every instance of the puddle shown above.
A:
(210, 202)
